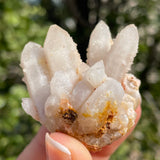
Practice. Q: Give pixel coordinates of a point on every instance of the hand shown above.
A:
(59, 146)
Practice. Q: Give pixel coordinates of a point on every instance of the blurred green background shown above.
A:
(28, 20)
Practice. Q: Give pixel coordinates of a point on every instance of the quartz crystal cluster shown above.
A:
(94, 102)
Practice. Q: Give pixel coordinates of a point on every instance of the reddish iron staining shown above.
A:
(101, 131)
(67, 111)
(93, 148)
(70, 115)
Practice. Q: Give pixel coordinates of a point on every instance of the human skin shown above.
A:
(42, 150)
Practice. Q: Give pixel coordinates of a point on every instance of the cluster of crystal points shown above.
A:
(94, 101)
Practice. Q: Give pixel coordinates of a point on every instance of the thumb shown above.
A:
(60, 146)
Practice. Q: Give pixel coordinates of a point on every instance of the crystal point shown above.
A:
(93, 102)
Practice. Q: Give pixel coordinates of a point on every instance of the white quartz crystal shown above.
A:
(99, 44)
(60, 50)
(106, 98)
(36, 75)
(29, 108)
(81, 91)
(98, 70)
(122, 53)
(93, 102)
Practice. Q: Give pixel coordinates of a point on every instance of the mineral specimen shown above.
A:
(94, 102)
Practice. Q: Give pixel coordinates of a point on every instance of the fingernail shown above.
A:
(63, 149)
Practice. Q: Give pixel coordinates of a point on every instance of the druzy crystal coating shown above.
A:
(94, 102)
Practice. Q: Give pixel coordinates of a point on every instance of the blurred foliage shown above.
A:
(28, 20)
